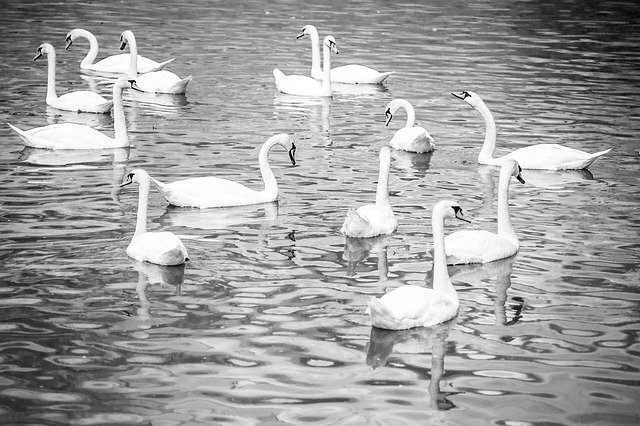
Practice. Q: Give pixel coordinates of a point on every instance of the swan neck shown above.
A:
(269, 179)
(441, 281)
(505, 229)
(486, 153)
(315, 53)
(93, 48)
(326, 67)
(119, 120)
(143, 206)
(133, 61)
(382, 190)
(411, 113)
(51, 77)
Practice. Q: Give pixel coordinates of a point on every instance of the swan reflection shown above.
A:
(358, 249)
(382, 343)
(317, 109)
(157, 103)
(219, 217)
(96, 121)
(411, 161)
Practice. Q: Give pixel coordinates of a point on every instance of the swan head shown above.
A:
(125, 37)
(135, 176)
(285, 141)
(330, 42)
(42, 49)
(448, 209)
(307, 30)
(469, 97)
(512, 168)
(71, 36)
(392, 108)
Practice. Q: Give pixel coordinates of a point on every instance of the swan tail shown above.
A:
(181, 86)
(22, 134)
(354, 225)
(104, 107)
(583, 164)
(162, 187)
(161, 65)
(383, 76)
(381, 316)
(277, 74)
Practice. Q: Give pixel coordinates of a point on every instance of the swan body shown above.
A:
(540, 156)
(80, 101)
(116, 64)
(346, 74)
(207, 192)
(410, 137)
(481, 246)
(162, 81)
(79, 136)
(161, 248)
(373, 219)
(411, 306)
(306, 86)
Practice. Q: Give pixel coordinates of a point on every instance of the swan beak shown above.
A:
(127, 180)
(389, 116)
(123, 44)
(459, 96)
(69, 43)
(292, 153)
(299, 36)
(458, 211)
(520, 178)
(38, 55)
(134, 86)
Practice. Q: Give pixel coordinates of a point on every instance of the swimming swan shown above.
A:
(205, 192)
(373, 219)
(302, 85)
(161, 248)
(347, 74)
(540, 156)
(80, 136)
(409, 138)
(116, 64)
(162, 81)
(80, 101)
(411, 306)
(480, 246)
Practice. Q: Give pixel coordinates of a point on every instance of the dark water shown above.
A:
(266, 323)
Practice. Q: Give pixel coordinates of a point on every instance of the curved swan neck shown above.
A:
(269, 179)
(119, 121)
(326, 67)
(486, 153)
(143, 203)
(411, 113)
(93, 47)
(51, 76)
(505, 229)
(315, 50)
(382, 190)
(441, 281)
(133, 52)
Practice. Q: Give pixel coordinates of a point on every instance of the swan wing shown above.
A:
(162, 248)
(119, 64)
(369, 221)
(83, 101)
(297, 84)
(162, 81)
(476, 246)
(206, 192)
(65, 136)
(412, 139)
(552, 157)
(357, 74)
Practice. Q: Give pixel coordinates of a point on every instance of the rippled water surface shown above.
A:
(266, 324)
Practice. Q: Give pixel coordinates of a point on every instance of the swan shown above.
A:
(540, 156)
(206, 192)
(162, 81)
(347, 74)
(80, 101)
(116, 64)
(411, 306)
(409, 138)
(302, 85)
(80, 136)
(161, 248)
(373, 219)
(481, 246)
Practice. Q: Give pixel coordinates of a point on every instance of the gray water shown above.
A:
(265, 324)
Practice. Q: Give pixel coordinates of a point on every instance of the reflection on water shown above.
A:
(266, 322)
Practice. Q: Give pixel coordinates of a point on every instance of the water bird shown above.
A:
(482, 246)
(115, 64)
(210, 191)
(80, 136)
(162, 81)
(539, 156)
(79, 101)
(347, 74)
(411, 306)
(371, 220)
(161, 248)
(410, 137)
(302, 85)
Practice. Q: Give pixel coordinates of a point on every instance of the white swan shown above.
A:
(206, 192)
(481, 246)
(347, 74)
(409, 138)
(411, 306)
(373, 219)
(162, 81)
(80, 136)
(540, 156)
(116, 64)
(80, 101)
(161, 248)
(302, 85)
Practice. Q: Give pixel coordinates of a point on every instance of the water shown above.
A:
(266, 323)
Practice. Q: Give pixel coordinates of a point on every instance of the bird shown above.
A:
(481, 246)
(79, 101)
(115, 64)
(162, 81)
(302, 85)
(160, 248)
(80, 136)
(208, 192)
(376, 219)
(540, 156)
(347, 74)
(410, 306)
(408, 138)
